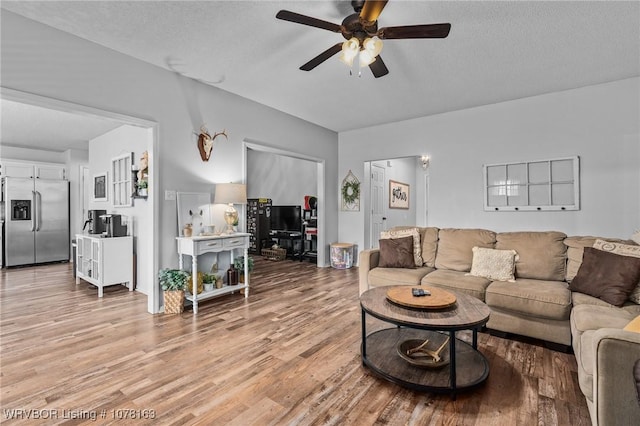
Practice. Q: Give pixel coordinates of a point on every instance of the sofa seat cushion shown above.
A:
(586, 363)
(578, 299)
(585, 321)
(536, 298)
(541, 255)
(594, 317)
(458, 281)
(397, 276)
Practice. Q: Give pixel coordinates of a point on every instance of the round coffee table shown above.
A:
(467, 367)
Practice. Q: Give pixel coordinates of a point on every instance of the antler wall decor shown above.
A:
(205, 142)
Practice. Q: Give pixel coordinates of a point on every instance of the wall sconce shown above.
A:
(425, 162)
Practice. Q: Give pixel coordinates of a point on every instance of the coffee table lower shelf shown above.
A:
(379, 353)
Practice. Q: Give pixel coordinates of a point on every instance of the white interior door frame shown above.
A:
(322, 229)
(378, 206)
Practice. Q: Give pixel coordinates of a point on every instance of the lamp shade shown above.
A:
(231, 193)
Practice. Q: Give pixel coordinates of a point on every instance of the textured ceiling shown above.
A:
(496, 51)
(42, 128)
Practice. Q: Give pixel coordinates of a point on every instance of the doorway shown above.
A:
(410, 171)
(250, 145)
(148, 265)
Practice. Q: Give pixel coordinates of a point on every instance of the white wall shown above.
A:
(81, 72)
(102, 149)
(598, 123)
(286, 180)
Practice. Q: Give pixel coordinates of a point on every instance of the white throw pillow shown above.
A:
(497, 265)
(400, 233)
(622, 250)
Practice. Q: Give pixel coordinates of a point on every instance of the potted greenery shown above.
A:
(238, 263)
(173, 282)
(142, 187)
(209, 282)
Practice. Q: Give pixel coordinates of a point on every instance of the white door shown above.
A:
(377, 204)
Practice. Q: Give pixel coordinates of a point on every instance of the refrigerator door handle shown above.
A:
(33, 211)
(37, 209)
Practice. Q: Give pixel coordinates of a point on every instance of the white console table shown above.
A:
(195, 246)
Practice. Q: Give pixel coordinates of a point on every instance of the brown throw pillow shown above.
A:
(396, 253)
(607, 276)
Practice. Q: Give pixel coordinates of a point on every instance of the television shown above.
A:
(286, 218)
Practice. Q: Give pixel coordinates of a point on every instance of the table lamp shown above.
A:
(231, 193)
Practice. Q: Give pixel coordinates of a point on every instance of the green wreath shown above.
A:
(350, 191)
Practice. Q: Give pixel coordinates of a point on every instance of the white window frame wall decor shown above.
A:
(542, 185)
(121, 182)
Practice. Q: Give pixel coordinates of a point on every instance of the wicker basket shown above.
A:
(174, 302)
(275, 254)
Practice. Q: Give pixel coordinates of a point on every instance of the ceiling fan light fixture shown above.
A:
(350, 49)
(373, 45)
(366, 58)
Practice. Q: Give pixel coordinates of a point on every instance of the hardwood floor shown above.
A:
(289, 355)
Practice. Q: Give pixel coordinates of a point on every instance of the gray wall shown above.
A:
(286, 180)
(598, 123)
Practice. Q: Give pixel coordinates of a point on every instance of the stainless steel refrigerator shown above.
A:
(36, 220)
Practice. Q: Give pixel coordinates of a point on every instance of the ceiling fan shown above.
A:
(364, 39)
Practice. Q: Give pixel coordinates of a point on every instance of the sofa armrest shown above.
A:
(614, 388)
(367, 260)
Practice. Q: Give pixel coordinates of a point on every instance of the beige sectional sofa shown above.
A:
(538, 303)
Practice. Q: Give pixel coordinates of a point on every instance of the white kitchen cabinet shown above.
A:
(104, 261)
(36, 170)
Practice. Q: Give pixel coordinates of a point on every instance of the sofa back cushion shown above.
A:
(541, 255)
(455, 247)
(428, 242)
(575, 249)
(429, 245)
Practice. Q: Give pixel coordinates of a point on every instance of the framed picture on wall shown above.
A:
(398, 195)
(100, 187)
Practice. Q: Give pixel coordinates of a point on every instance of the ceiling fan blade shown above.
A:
(371, 10)
(322, 57)
(378, 68)
(286, 15)
(415, 31)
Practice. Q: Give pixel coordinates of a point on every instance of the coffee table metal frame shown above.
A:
(468, 313)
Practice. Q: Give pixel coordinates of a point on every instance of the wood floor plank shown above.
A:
(287, 355)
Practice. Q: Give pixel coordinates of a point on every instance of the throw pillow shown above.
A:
(636, 237)
(623, 250)
(396, 253)
(634, 325)
(401, 233)
(607, 276)
(497, 265)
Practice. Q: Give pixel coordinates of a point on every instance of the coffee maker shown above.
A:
(96, 226)
(114, 225)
